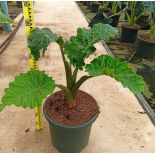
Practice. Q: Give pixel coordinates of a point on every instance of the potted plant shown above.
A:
(105, 8)
(146, 42)
(100, 17)
(115, 7)
(107, 15)
(69, 112)
(95, 6)
(129, 30)
(130, 6)
(143, 21)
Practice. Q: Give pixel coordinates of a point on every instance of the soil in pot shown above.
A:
(95, 7)
(143, 20)
(129, 32)
(70, 129)
(146, 47)
(115, 20)
(57, 110)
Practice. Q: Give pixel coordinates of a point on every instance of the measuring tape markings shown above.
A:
(29, 21)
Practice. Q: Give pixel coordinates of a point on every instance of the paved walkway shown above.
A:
(119, 128)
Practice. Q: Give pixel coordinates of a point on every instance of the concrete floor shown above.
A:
(120, 126)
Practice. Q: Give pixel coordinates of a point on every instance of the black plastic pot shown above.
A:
(95, 7)
(128, 34)
(143, 20)
(115, 20)
(69, 139)
(145, 49)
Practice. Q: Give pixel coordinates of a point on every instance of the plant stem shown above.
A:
(66, 91)
(70, 94)
(71, 103)
(79, 83)
(70, 79)
(74, 76)
(69, 75)
(66, 65)
(70, 68)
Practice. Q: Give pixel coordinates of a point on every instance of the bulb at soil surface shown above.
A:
(71, 104)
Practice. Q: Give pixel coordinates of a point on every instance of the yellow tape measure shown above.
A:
(29, 21)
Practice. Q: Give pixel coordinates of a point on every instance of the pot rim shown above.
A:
(67, 126)
(126, 23)
(146, 41)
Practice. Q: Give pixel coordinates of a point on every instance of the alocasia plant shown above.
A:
(29, 89)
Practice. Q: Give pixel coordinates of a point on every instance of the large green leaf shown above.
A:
(81, 46)
(28, 90)
(106, 65)
(5, 19)
(39, 39)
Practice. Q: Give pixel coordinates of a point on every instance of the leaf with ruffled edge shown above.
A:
(28, 90)
(39, 39)
(81, 46)
(106, 65)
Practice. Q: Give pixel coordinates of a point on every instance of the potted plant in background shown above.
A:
(95, 6)
(107, 15)
(69, 112)
(129, 30)
(105, 8)
(129, 7)
(115, 7)
(144, 19)
(102, 15)
(146, 42)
